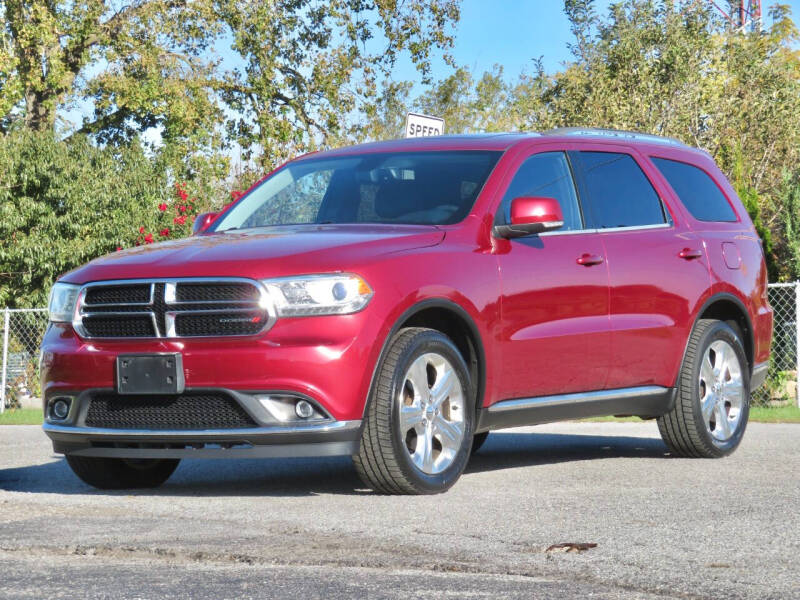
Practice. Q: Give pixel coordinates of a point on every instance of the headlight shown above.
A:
(339, 294)
(62, 302)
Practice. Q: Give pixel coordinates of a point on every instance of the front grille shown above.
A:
(184, 413)
(128, 326)
(191, 325)
(216, 292)
(119, 294)
(172, 308)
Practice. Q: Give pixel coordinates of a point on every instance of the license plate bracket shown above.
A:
(150, 373)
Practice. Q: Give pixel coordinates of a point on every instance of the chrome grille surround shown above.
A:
(163, 307)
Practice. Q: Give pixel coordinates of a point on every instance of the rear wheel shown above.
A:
(713, 401)
(417, 432)
(121, 473)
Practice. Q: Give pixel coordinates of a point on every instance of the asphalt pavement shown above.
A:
(307, 528)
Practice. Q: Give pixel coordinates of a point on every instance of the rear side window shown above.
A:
(618, 191)
(699, 193)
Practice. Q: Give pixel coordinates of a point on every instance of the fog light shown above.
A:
(60, 408)
(303, 409)
(288, 408)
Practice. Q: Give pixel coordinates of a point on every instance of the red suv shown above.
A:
(398, 301)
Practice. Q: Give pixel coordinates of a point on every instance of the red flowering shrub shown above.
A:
(182, 214)
(174, 218)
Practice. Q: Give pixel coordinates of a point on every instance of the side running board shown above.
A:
(646, 401)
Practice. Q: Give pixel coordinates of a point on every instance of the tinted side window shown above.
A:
(698, 192)
(547, 175)
(619, 193)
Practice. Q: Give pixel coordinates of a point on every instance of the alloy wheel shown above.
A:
(431, 413)
(722, 391)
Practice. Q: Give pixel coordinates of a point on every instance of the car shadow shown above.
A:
(297, 477)
(504, 450)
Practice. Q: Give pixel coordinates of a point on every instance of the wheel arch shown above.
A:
(455, 322)
(726, 307)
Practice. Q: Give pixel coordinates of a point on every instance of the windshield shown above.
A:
(424, 188)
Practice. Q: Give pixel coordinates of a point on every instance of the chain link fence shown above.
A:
(782, 381)
(22, 331)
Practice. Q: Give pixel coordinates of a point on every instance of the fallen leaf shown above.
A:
(571, 547)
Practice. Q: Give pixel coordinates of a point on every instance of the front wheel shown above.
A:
(122, 473)
(713, 400)
(418, 427)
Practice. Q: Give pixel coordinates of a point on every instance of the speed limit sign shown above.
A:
(423, 125)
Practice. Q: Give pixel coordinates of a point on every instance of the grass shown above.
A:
(758, 414)
(780, 414)
(21, 416)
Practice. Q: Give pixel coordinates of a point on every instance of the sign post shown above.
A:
(423, 125)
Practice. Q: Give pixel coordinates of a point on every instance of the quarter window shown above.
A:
(699, 193)
(619, 193)
(548, 175)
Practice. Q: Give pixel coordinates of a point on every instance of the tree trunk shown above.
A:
(40, 113)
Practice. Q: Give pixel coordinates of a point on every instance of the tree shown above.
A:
(468, 104)
(63, 204)
(300, 67)
(153, 71)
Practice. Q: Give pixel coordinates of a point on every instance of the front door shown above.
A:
(555, 336)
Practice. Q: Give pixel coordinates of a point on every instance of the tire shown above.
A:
(417, 436)
(121, 473)
(478, 440)
(716, 375)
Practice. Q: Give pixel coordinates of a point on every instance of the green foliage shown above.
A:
(790, 223)
(25, 384)
(64, 203)
(752, 202)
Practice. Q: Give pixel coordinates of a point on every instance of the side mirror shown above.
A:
(203, 221)
(531, 214)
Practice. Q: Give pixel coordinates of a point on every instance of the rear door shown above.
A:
(555, 332)
(657, 266)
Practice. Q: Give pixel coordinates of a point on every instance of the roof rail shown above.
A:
(616, 133)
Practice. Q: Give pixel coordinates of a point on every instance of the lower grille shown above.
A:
(185, 412)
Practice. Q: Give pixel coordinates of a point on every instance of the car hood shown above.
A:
(260, 253)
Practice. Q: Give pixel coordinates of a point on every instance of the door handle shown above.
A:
(690, 254)
(587, 260)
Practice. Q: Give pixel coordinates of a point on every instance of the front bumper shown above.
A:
(123, 430)
(339, 438)
(327, 359)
